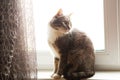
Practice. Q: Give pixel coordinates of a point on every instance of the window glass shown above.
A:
(87, 16)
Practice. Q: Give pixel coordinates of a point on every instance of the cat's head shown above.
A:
(61, 22)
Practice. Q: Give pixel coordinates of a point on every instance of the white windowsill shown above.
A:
(101, 75)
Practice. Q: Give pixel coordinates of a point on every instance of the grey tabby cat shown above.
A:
(74, 52)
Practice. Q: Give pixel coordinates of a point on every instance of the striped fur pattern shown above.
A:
(75, 53)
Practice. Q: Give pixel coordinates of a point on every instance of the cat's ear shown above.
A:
(60, 12)
(69, 15)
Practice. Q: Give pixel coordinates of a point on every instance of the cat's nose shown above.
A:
(67, 27)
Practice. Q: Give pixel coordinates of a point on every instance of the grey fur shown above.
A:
(76, 51)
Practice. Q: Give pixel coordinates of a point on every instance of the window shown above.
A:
(98, 18)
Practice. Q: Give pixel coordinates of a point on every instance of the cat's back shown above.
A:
(73, 40)
(80, 39)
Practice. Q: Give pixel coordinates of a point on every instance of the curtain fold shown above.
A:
(17, 42)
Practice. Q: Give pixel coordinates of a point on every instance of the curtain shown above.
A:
(17, 42)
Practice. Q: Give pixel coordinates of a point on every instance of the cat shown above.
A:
(73, 50)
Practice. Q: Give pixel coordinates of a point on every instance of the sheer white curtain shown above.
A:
(17, 46)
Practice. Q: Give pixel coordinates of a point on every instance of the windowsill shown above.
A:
(109, 75)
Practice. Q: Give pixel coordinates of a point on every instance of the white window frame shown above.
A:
(109, 59)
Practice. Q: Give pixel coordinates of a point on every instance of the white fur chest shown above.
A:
(52, 36)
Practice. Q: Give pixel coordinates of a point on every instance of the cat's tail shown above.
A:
(81, 75)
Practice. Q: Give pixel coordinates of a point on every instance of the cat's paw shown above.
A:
(52, 75)
(56, 76)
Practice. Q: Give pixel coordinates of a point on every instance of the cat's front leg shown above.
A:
(56, 62)
(61, 67)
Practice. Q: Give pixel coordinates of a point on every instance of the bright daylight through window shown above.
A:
(87, 16)
(99, 19)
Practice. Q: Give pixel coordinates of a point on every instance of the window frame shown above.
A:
(109, 59)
